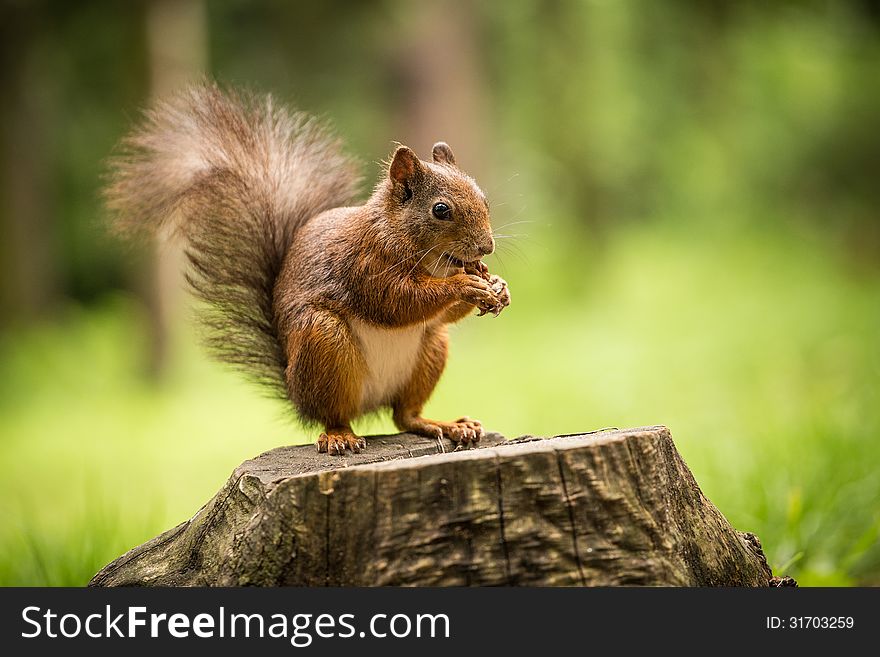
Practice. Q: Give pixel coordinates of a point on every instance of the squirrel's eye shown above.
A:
(442, 211)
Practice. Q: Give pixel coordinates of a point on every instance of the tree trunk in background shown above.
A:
(438, 68)
(177, 45)
(29, 274)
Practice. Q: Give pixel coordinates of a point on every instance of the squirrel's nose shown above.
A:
(487, 247)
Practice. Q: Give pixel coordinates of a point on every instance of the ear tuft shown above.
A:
(405, 165)
(442, 153)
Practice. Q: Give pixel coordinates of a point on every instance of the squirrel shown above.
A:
(340, 308)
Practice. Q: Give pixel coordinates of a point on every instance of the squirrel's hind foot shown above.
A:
(464, 431)
(335, 442)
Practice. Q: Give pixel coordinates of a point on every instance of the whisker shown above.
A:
(516, 241)
(491, 191)
(501, 262)
(516, 223)
(422, 258)
(519, 254)
(446, 269)
(398, 264)
(436, 264)
(513, 246)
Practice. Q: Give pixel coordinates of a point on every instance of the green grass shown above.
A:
(759, 352)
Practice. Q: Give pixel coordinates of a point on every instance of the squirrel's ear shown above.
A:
(405, 166)
(442, 153)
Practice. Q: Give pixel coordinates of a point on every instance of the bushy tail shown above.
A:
(234, 175)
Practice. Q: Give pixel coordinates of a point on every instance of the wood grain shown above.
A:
(602, 509)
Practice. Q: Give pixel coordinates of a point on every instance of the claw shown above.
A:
(464, 432)
(335, 444)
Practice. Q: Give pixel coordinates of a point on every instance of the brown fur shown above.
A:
(286, 265)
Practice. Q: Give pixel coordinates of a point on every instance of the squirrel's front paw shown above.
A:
(477, 268)
(499, 287)
(478, 292)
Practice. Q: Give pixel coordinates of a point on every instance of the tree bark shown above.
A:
(177, 52)
(441, 91)
(31, 280)
(607, 508)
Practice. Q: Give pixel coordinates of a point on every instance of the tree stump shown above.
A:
(600, 509)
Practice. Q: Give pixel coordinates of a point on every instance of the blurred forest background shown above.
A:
(692, 189)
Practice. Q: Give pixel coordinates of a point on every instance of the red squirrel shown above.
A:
(340, 308)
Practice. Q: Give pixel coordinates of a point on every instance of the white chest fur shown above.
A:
(390, 356)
